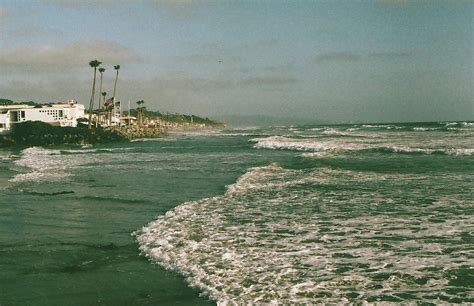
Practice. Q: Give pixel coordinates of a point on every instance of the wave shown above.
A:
(279, 142)
(459, 124)
(312, 145)
(419, 127)
(154, 139)
(113, 199)
(331, 131)
(49, 164)
(49, 193)
(41, 165)
(85, 151)
(266, 177)
(271, 238)
(409, 150)
(39, 151)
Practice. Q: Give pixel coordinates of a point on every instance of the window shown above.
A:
(14, 116)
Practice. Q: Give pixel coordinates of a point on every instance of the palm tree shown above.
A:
(117, 68)
(140, 112)
(94, 64)
(103, 101)
(101, 71)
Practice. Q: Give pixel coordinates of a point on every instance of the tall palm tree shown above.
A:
(103, 102)
(117, 68)
(94, 64)
(101, 71)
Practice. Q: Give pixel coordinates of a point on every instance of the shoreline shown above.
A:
(35, 133)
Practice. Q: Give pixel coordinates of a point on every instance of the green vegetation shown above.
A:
(10, 102)
(37, 133)
(4, 101)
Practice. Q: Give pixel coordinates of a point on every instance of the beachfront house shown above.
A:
(65, 114)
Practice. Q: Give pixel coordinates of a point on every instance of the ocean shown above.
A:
(288, 215)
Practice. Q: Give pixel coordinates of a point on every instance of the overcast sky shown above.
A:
(338, 61)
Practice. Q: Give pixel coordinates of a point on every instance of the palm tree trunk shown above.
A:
(91, 105)
(115, 84)
(100, 94)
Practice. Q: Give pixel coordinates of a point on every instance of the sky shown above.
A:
(312, 61)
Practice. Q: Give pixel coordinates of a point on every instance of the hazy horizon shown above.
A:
(314, 61)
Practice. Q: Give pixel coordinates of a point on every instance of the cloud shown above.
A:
(409, 3)
(3, 13)
(267, 81)
(240, 47)
(180, 9)
(176, 2)
(349, 57)
(28, 32)
(183, 93)
(397, 3)
(262, 43)
(53, 59)
(109, 3)
(337, 57)
(207, 58)
(86, 3)
(176, 92)
(388, 55)
(183, 83)
(279, 69)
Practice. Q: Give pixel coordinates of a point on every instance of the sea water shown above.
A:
(303, 214)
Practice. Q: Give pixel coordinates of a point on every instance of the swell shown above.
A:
(49, 193)
(113, 199)
(419, 126)
(310, 145)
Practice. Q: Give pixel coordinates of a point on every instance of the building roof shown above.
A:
(24, 106)
(15, 106)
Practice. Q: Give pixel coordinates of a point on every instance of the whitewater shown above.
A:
(277, 215)
(366, 213)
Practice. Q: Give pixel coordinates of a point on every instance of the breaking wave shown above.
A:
(285, 236)
(40, 164)
(313, 145)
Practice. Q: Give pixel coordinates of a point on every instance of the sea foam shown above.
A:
(338, 145)
(302, 236)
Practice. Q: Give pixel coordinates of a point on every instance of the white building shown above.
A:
(57, 114)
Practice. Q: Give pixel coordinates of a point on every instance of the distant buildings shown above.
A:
(63, 115)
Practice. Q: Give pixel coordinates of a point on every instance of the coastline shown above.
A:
(35, 133)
